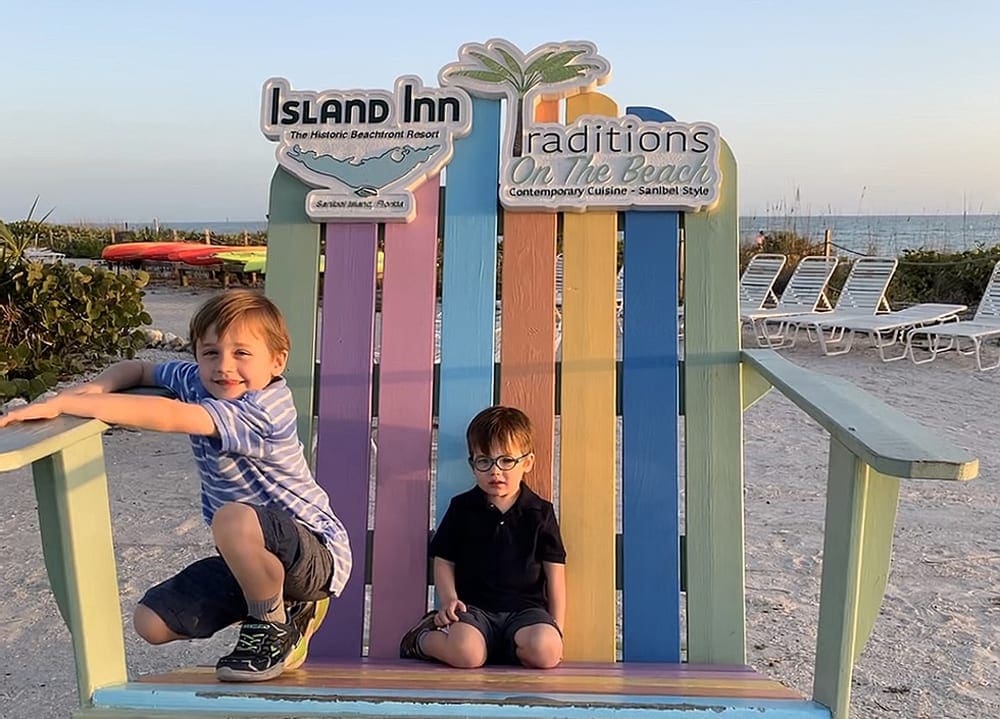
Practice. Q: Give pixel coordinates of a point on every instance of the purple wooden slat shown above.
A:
(406, 370)
(344, 425)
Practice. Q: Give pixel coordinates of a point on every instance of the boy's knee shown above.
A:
(539, 647)
(234, 521)
(468, 657)
(151, 627)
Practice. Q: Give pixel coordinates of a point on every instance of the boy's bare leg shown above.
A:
(539, 646)
(240, 540)
(462, 646)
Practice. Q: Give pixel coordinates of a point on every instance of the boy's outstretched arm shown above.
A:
(158, 414)
(444, 585)
(555, 579)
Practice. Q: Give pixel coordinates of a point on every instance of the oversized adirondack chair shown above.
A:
(651, 668)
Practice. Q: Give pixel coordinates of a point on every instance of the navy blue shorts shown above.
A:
(499, 628)
(205, 597)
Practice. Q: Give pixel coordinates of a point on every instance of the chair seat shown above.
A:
(394, 688)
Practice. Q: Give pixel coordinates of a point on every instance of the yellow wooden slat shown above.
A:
(587, 432)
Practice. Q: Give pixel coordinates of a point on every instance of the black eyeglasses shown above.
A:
(504, 462)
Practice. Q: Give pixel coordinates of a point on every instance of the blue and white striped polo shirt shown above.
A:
(257, 458)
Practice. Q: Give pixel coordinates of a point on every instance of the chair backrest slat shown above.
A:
(758, 279)
(650, 569)
(866, 284)
(406, 372)
(344, 414)
(468, 296)
(528, 325)
(588, 420)
(713, 437)
(989, 305)
(807, 284)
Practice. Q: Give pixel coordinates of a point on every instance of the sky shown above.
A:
(135, 110)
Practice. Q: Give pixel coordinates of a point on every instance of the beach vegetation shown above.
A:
(58, 320)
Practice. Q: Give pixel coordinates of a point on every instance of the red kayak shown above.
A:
(129, 251)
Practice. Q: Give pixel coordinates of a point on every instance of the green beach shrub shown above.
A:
(58, 320)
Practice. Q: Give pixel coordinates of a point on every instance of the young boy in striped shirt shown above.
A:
(282, 551)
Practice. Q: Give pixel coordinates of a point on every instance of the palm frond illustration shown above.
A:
(500, 68)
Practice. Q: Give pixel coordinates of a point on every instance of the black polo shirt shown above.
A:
(498, 557)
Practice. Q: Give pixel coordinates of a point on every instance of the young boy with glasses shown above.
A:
(499, 561)
(282, 551)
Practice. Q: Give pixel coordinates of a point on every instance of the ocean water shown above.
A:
(884, 234)
(881, 234)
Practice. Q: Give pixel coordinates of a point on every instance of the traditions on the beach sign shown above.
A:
(366, 150)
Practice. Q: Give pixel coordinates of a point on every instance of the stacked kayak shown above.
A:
(190, 253)
(133, 251)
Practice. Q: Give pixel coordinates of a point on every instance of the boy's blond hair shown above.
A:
(242, 307)
(502, 426)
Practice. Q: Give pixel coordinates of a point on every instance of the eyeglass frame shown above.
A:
(495, 462)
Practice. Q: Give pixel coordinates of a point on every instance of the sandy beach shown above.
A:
(934, 651)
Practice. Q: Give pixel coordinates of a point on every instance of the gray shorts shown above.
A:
(205, 597)
(499, 628)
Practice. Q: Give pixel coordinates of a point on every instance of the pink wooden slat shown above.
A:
(402, 483)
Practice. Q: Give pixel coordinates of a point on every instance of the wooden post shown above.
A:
(112, 235)
(175, 235)
(246, 238)
(827, 242)
(208, 236)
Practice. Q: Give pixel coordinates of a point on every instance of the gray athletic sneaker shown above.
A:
(260, 652)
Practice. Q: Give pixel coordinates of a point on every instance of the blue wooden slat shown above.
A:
(650, 504)
(468, 294)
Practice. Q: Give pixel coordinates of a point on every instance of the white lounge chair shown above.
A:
(884, 330)
(757, 281)
(980, 331)
(862, 296)
(805, 292)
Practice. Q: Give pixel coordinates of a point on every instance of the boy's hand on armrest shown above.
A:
(45, 409)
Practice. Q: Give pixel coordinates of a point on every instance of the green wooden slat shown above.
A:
(714, 431)
(876, 553)
(856, 501)
(74, 520)
(293, 284)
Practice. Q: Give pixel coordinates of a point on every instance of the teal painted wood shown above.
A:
(468, 295)
(714, 431)
(293, 284)
(406, 374)
(291, 702)
(651, 611)
(344, 415)
(884, 438)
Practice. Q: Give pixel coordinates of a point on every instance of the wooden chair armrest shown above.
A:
(883, 438)
(25, 442)
(872, 446)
